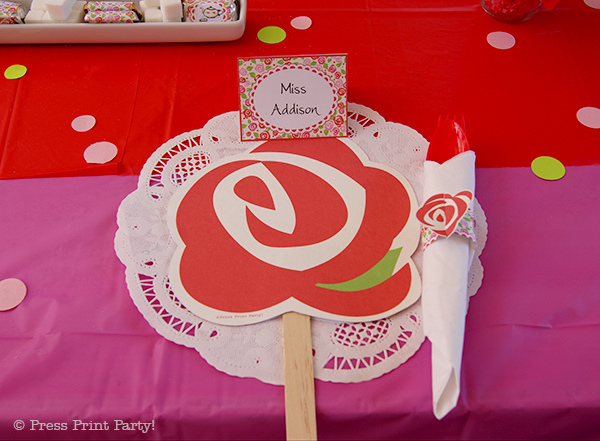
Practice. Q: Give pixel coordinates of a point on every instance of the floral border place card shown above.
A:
(293, 97)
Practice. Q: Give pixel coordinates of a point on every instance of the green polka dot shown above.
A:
(271, 35)
(548, 168)
(15, 72)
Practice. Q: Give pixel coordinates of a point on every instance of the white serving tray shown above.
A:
(86, 33)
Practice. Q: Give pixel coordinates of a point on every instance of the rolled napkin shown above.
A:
(449, 248)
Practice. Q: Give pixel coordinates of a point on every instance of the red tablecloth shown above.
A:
(409, 60)
(77, 348)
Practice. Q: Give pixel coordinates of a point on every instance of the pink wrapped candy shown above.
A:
(111, 12)
(110, 6)
(210, 10)
(111, 17)
(12, 13)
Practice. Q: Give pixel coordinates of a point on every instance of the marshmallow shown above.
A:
(77, 13)
(37, 16)
(59, 9)
(171, 20)
(153, 15)
(34, 16)
(79, 6)
(38, 5)
(47, 19)
(152, 3)
(171, 10)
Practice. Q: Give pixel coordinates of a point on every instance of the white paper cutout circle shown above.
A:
(83, 123)
(589, 117)
(592, 3)
(301, 23)
(501, 40)
(100, 152)
(12, 293)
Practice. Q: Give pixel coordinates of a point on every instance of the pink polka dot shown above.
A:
(100, 152)
(83, 123)
(12, 293)
(592, 3)
(589, 117)
(301, 23)
(501, 40)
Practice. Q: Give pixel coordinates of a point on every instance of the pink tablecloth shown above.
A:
(77, 349)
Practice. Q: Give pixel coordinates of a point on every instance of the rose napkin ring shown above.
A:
(444, 214)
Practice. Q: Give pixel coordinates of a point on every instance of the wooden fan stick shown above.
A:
(300, 413)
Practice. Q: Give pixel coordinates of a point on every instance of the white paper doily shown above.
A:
(343, 352)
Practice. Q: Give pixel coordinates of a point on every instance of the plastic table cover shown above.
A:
(77, 359)
(77, 349)
(409, 60)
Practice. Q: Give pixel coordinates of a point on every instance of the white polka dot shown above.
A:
(12, 293)
(501, 40)
(589, 117)
(100, 152)
(592, 3)
(83, 123)
(301, 23)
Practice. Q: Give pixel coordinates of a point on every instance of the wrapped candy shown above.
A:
(110, 6)
(210, 10)
(12, 13)
(111, 12)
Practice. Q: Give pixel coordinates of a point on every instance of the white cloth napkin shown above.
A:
(446, 264)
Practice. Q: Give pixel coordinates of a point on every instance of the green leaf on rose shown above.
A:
(379, 273)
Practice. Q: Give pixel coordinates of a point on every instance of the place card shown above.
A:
(293, 97)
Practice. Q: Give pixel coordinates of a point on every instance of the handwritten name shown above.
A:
(294, 109)
(290, 88)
